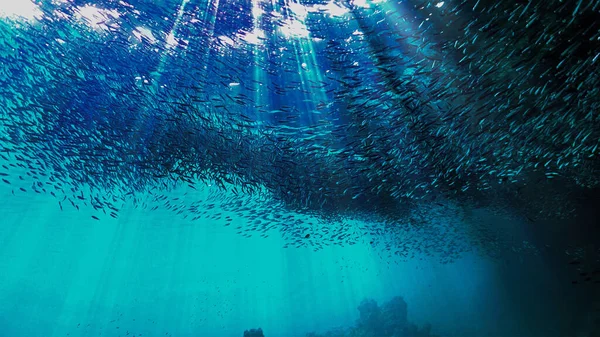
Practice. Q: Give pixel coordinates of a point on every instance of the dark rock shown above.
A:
(389, 320)
(254, 333)
(394, 316)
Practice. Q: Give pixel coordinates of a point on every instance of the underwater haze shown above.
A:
(300, 168)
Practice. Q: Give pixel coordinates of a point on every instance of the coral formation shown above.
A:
(389, 320)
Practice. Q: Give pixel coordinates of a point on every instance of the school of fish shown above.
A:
(391, 118)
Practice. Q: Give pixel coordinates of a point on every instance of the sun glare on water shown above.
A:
(19, 9)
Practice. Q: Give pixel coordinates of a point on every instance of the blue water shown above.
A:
(170, 264)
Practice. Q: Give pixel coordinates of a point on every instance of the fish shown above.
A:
(478, 101)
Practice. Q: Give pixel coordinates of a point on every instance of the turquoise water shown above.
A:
(154, 273)
(310, 168)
